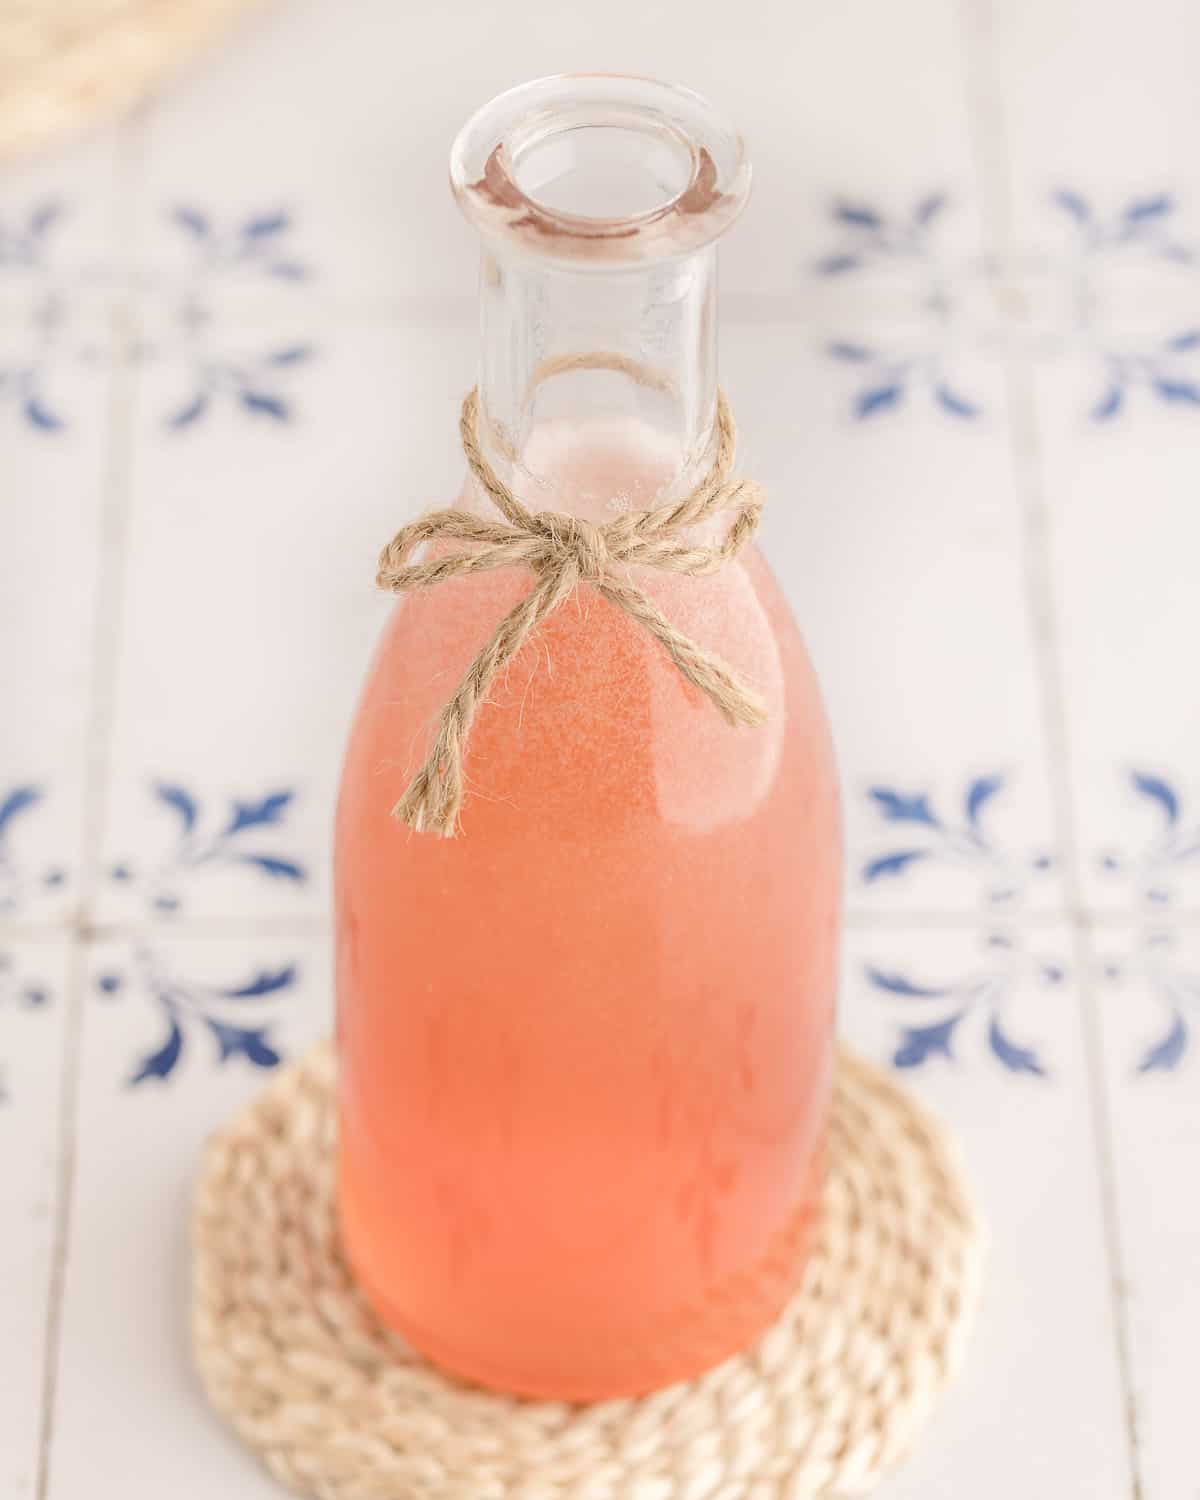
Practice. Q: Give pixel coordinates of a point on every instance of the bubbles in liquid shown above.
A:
(706, 775)
(585, 1048)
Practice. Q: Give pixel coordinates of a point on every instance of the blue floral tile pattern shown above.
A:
(20, 884)
(20, 985)
(933, 1014)
(51, 330)
(1170, 850)
(869, 238)
(925, 835)
(1146, 229)
(1148, 877)
(258, 248)
(242, 837)
(1174, 987)
(27, 260)
(236, 1016)
(1146, 226)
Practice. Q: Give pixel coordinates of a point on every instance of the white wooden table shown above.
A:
(962, 333)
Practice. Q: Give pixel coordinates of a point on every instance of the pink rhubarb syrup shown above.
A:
(586, 1046)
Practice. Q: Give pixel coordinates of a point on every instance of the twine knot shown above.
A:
(571, 538)
(563, 552)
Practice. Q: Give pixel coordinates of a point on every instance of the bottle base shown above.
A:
(526, 1386)
(690, 1344)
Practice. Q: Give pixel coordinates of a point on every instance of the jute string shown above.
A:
(823, 1405)
(563, 552)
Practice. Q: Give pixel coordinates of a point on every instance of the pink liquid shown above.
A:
(586, 1047)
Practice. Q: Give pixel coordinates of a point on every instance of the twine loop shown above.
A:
(562, 552)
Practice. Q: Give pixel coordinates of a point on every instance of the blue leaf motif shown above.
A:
(920, 1042)
(266, 982)
(1016, 1059)
(979, 794)
(928, 208)
(43, 216)
(190, 413)
(892, 864)
(40, 415)
(287, 270)
(955, 404)
(898, 984)
(193, 221)
(1178, 253)
(1157, 789)
(175, 797)
(834, 265)
(293, 356)
(269, 406)
(1167, 1052)
(896, 807)
(161, 1064)
(1177, 390)
(241, 1041)
(857, 214)
(1074, 204)
(16, 802)
(1142, 209)
(856, 352)
(879, 399)
(255, 814)
(282, 869)
(1183, 342)
(1109, 404)
(265, 225)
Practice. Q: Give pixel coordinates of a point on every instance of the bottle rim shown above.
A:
(596, 170)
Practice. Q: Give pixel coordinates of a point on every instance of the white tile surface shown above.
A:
(956, 336)
(1099, 98)
(253, 550)
(901, 549)
(828, 107)
(128, 1403)
(1147, 978)
(1123, 567)
(33, 1007)
(1038, 1410)
(49, 565)
(63, 292)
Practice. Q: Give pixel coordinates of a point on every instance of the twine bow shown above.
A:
(562, 552)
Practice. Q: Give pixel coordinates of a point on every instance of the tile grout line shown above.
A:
(221, 928)
(988, 123)
(111, 561)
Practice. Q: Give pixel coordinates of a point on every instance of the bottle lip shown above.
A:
(694, 159)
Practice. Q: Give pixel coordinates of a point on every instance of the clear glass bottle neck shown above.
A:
(598, 387)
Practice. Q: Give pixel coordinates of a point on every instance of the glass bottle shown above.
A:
(586, 1046)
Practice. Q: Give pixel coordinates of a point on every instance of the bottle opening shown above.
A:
(591, 168)
(603, 171)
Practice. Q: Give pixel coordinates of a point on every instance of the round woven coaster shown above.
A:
(65, 63)
(823, 1404)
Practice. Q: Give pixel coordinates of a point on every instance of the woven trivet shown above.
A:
(828, 1400)
(65, 63)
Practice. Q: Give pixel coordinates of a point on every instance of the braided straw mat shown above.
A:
(831, 1397)
(63, 63)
